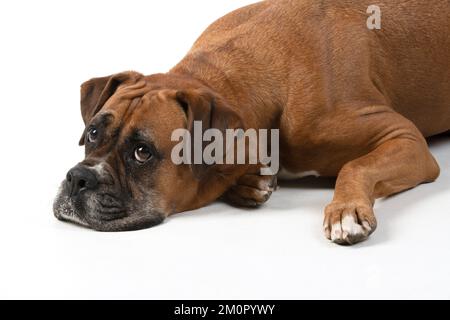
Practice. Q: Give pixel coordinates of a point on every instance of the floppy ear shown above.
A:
(95, 93)
(212, 111)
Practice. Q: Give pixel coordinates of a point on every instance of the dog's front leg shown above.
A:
(401, 160)
(251, 190)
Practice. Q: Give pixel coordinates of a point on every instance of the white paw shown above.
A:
(349, 230)
(348, 225)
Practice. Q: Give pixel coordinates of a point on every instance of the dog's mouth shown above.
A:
(108, 208)
(101, 212)
(89, 209)
(107, 213)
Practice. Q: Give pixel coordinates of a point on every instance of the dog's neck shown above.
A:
(250, 96)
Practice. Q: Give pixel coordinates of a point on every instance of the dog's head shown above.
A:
(128, 180)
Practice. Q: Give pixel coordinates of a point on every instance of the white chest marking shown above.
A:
(287, 175)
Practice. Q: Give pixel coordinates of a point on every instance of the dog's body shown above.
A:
(349, 102)
(318, 65)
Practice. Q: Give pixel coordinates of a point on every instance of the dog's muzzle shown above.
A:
(90, 196)
(82, 200)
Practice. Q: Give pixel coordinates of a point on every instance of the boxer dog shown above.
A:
(349, 101)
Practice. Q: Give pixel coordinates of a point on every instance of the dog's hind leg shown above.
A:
(399, 160)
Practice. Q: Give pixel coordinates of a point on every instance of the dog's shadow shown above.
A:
(387, 210)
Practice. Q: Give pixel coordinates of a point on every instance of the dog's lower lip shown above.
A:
(110, 208)
(108, 201)
(109, 217)
(111, 213)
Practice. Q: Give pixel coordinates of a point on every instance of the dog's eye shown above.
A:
(92, 134)
(142, 154)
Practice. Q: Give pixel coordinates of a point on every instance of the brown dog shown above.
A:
(349, 102)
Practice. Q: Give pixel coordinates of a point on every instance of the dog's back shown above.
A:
(411, 61)
(326, 47)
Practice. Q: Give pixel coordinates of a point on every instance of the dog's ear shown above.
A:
(213, 112)
(95, 93)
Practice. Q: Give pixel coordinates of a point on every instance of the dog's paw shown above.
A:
(251, 190)
(348, 223)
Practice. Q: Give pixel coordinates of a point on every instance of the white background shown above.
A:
(47, 49)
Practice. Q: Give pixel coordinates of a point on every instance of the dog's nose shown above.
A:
(80, 178)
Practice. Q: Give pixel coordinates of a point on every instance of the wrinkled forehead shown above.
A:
(141, 115)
